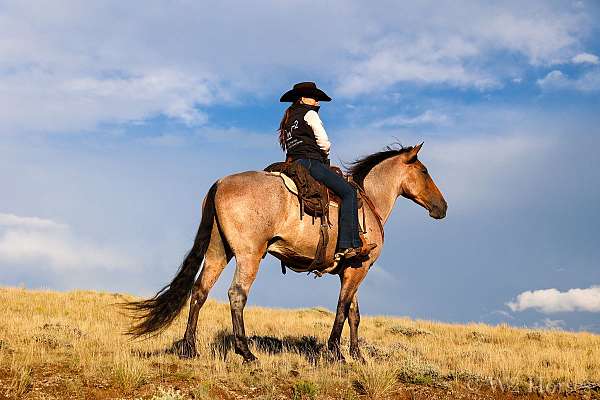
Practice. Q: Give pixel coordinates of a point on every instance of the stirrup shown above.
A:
(354, 252)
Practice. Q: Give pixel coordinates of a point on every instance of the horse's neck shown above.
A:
(383, 186)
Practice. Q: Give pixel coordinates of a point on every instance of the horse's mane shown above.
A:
(359, 169)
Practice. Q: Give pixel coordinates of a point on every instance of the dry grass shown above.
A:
(70, 345)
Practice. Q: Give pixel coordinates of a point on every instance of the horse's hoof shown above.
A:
(184, 349)
(249, 358)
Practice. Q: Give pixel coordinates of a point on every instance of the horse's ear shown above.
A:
(411, 156)
(417, 148)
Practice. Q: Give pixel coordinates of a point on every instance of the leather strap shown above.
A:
(372, 207)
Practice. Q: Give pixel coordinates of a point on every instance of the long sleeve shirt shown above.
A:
(313, 120)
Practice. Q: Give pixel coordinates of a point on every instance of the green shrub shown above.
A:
(305, 390)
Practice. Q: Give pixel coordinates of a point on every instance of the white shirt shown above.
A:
(313, 120)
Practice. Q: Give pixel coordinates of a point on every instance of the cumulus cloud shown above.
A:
(552, 300)
(396, 60)
(27, 240)
(438, 48)
(554, 80)
(58, 102)
(66, 67)
(585, 58)
(557, 80)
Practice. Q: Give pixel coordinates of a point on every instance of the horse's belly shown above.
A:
(297, 242)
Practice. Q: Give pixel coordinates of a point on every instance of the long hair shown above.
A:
(283, 123)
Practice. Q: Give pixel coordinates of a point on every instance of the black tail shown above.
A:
(157, 313)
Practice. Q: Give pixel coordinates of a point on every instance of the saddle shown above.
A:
(314, 199)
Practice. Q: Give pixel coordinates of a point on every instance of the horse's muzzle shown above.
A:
(438, 211)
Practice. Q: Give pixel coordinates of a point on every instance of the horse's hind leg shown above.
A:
(245, 273)
(354, 321)
(216, 258)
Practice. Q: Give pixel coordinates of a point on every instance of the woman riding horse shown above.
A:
(303, 138)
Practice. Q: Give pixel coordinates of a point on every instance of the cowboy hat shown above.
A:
(304, 89)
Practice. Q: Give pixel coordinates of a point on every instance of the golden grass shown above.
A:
(70, 345)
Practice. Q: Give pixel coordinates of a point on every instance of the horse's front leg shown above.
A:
(354, 321)
(351, 277)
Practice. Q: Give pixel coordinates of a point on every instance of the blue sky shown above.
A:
(115, 119)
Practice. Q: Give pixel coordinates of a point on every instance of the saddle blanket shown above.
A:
(291, 186)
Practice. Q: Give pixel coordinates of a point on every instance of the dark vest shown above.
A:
(300, 139)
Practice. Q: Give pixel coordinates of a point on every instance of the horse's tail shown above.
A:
(156, 314)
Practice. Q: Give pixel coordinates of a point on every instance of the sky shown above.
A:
(116, 117)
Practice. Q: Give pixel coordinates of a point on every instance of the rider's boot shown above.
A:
(356, 252)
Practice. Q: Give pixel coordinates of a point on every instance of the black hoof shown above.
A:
(249, 358)
(247, 354)
(184, 349)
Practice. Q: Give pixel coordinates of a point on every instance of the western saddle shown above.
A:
(314, 198)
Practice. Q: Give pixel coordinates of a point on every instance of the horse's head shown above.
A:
(418, 186)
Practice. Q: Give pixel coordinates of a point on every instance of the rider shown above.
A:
(303, 137)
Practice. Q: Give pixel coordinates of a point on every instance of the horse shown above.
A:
(250, 214)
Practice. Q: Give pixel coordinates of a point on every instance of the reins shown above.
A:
(369, 202)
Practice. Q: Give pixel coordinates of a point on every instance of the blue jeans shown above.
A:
(348, 215)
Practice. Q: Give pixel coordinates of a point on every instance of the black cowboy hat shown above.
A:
(304, 89)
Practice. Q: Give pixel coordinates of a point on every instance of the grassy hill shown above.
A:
(70, 345)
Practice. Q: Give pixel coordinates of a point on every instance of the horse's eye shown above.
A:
(424, 170)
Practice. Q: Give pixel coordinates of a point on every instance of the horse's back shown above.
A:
(253, 201)
(256, 184)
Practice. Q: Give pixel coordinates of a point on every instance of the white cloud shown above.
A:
(399, 60)
(56, 101)
(436, 47)
(552, 300)
(556, 80)
(65, 67)
(584, 58)
(11, 220)
(32, 240)
(428, 117)
(551, 324)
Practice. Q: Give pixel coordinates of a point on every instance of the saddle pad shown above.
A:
(291, 186)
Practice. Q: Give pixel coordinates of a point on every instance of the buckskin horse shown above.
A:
(249, 214)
